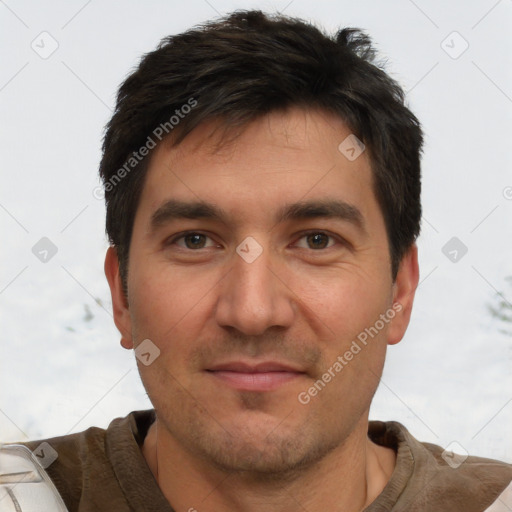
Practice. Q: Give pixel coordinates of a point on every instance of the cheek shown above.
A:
(155, 304)
(169, 306)
(345, 301)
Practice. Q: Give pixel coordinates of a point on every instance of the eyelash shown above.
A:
(303, 235)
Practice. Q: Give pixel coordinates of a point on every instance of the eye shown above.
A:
(317, 240)
(192, 240)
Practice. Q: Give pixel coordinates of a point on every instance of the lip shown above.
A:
(264, 376)
(263, 367)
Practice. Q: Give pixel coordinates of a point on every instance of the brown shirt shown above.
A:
(104, 470)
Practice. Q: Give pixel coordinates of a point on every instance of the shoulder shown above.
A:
(70, 460)
(80, 465)
(437, 478)
(474, 483)
(468, 478)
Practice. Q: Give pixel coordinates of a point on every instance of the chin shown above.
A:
(275, 458)
(257, 449)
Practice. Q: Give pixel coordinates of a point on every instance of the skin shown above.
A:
(215, 447)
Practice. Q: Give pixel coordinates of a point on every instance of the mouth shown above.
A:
(265, 376)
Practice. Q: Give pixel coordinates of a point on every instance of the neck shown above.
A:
(349, 478)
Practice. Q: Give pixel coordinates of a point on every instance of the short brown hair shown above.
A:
(247, 65)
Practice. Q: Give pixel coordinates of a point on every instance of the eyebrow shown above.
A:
(330, 209)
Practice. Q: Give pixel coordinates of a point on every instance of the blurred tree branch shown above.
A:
(503, 310)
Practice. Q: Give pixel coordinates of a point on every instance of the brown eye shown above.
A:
(316, 240)
(192, 241)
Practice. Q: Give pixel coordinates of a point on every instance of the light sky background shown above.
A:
(61, 366)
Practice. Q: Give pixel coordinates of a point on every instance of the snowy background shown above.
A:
(61, 366)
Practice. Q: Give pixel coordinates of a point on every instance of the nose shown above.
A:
(253, 296)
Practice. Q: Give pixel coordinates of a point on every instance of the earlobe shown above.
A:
(120, 308)
(404, 290)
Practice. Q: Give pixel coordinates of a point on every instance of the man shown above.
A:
(262, 184)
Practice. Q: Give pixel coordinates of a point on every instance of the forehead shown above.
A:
(280, 159)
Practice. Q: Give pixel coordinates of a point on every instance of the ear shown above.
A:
(122, 316)
(404, 290)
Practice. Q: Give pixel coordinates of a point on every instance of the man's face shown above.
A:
(246, 326)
